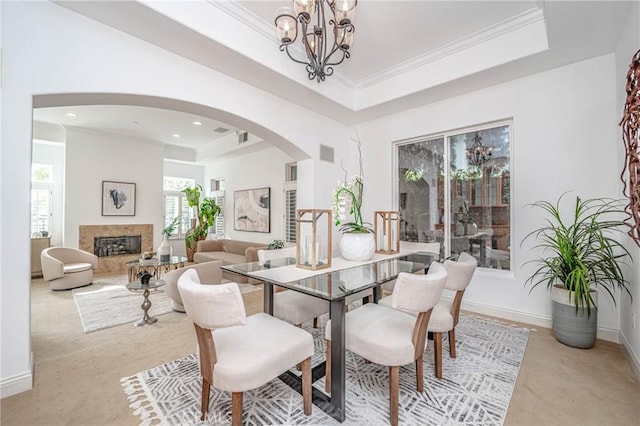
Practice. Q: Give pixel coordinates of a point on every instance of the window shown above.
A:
(290, 204)
(454, 188)
(218, 225)
(217, 185)
(290, 201)
(291, 172)
(175, 204)
(41, 198)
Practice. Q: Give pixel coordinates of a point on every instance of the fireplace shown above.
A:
(117, 246)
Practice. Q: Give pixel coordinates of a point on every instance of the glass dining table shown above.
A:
(333, 284)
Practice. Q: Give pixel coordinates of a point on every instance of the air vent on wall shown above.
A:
(221, 130)
(243, 137)
(326, 153)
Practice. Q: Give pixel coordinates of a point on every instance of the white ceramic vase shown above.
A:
(357, 247)
(164, 250)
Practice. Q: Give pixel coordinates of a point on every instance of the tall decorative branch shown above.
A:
(349, 194)
(631, 137)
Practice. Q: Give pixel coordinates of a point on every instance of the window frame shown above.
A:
(182, 199)
(445, 135)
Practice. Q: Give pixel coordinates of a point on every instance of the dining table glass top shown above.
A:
(336, 283)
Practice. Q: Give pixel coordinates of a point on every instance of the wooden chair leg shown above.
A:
(419, 375)
(236, 408)
(315, 323)
(298, 365)
(452, 343)
(394, 382)
(437, 353)
(306, 386)
(204, 405)
(327, 374)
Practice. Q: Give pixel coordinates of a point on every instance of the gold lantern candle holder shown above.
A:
(386, 227)
(313, 242)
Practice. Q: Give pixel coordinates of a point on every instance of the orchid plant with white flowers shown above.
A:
(348, 195)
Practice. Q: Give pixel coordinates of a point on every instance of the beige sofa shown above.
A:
(209, 273)
(229, 252)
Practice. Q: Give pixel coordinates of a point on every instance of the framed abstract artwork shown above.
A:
(118, 198)
(252, 210)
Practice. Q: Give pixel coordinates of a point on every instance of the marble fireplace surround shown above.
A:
(114, 264)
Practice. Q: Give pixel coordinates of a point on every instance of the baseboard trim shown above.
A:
(603, 333)
(507, 314)
(634, 359)
(19, 383)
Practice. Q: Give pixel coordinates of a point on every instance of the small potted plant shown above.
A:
(580, 252)
(164, 250)
(275, 245)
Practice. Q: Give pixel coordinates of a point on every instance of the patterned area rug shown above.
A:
(107, 303)
(475, 390)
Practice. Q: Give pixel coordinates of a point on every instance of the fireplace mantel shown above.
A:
(114, 264)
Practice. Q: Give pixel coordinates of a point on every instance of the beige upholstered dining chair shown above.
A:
(446, 313)
(408, 245)
(67, 267)
(387, 335)
(292, 306)
(239, 353)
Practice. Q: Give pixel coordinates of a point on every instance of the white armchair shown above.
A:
(66, 267)
(209, 273)
(239, 353)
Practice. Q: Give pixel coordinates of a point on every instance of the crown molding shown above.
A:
(506, 26)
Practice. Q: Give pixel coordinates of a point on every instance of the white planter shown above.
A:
(575, 328)
(164, 250)
(357, 247)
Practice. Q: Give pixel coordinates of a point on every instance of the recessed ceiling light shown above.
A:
(72, 114)
(197, 123)
(221, 130)
(135, 122)
(176, 135)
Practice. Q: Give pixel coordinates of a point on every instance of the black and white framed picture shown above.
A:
(118, 198)
(252, 210)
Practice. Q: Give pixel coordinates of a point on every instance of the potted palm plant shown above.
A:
(205, 214)
(580, 252)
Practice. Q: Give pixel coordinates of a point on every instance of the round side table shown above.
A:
(146, 304)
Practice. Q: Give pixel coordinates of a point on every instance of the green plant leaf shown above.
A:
(583, 253)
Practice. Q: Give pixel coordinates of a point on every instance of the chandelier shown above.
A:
(478, 154)
(323, 35)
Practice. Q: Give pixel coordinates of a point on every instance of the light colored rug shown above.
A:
(107, 303)
(475, 390)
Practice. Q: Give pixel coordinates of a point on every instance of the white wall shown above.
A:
(564, 138)
(53, 154)
(261, 169)
(83, 56)
(629, 329)
(93, 157)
